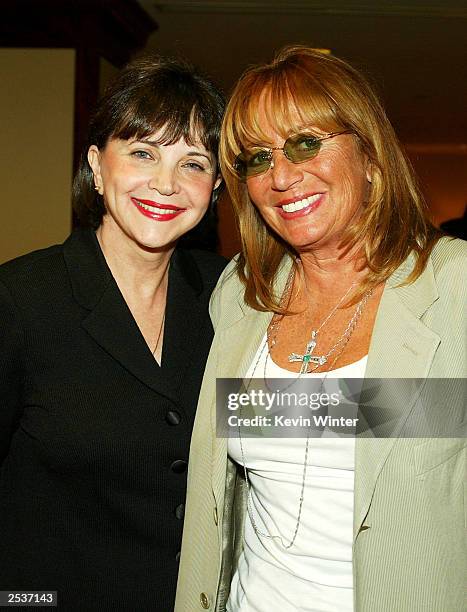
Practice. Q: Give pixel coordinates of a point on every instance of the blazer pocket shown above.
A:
(433, 453)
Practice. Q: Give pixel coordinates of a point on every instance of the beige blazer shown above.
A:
(409, 547)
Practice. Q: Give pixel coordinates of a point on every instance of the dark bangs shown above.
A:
(169, 98)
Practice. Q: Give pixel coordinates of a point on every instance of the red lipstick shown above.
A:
(152, 209)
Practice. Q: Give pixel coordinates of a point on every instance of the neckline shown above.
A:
(355, 364)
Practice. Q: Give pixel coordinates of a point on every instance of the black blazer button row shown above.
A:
(173, 417)
(179, 466)
(180, 512)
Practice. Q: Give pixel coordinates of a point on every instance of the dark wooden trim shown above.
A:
(114, 28)
(109, 29)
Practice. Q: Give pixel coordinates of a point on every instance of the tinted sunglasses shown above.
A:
(297, 149)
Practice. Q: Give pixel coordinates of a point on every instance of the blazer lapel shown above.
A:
(241, 340)
(401, 347)
(111, 324)
(185, 320)
(244, 335)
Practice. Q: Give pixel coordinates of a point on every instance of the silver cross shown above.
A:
(307, 357)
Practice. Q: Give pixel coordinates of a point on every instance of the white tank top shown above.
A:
(315, 574)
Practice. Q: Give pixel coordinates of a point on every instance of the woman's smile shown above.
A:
(156, 211)
(299, 207)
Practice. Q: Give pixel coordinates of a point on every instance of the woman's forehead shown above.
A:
(268, 120)
(281, 115)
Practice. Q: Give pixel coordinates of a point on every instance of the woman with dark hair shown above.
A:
(341, 275)
(103, 342)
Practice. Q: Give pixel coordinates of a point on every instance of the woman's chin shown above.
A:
(303, 240)
(156, 245)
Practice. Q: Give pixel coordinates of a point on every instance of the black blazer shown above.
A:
(94, 435)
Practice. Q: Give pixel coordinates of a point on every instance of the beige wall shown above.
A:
(36, 126)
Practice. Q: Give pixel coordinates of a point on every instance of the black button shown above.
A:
(180, 511)
(177, 556)
(173, 417)
(179, 466)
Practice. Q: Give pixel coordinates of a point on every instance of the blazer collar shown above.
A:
(401, 345)
(90, 274)
(87, 268)
(244, 335)
(111, 324)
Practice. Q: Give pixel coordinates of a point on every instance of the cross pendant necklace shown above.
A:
(307, 357)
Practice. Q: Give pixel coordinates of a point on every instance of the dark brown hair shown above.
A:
(151, 93)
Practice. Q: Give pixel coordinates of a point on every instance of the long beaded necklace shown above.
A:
(336, 350)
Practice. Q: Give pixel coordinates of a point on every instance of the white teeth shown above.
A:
(299, 204)
(155, 209)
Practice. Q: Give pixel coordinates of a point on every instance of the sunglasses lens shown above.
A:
(240, 166)
(302, 147)
(297, 149)
(252, 164)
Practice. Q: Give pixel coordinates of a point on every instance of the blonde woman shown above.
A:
(341, 274)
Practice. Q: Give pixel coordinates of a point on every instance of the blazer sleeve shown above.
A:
(11, 342)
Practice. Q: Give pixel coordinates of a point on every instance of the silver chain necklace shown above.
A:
(307, 358)
(159, 335)
(336, 350)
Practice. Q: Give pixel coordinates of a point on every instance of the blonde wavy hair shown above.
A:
(321, 90)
